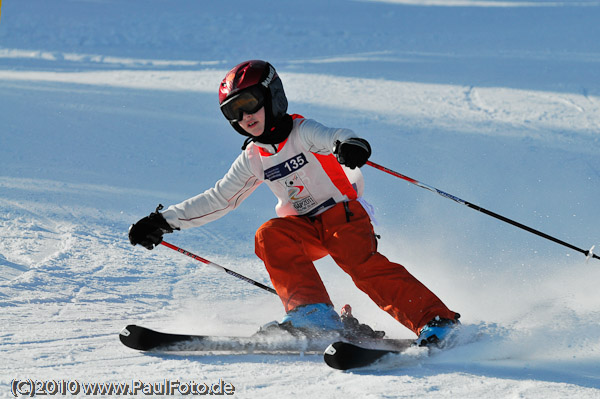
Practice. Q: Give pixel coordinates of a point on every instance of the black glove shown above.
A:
(353, 152)
(148, 231)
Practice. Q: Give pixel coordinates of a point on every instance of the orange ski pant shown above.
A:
(289, 245)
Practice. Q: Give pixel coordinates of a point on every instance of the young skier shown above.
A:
(314, 172)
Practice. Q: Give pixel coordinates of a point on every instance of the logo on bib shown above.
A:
(298, 194)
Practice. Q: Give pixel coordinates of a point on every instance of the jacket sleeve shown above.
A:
(227, 194)
(321, 139)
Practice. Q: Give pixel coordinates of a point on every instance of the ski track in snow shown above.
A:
(108, 108)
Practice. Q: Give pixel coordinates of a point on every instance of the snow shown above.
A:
(109, 108)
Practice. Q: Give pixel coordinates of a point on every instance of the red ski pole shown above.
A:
(589, 253)
(209, 263)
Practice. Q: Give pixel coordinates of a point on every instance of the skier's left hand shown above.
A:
(353, 152)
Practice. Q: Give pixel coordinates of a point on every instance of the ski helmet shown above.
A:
(249, 86)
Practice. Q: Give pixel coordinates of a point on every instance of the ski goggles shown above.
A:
(248, 101)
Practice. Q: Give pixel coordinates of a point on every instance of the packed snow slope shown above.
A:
(108, 108)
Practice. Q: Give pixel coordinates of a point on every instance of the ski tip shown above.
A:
(125, 335)
(332, 356)
(126, 331)
(345, 356)
(131, 336)
(145, 339)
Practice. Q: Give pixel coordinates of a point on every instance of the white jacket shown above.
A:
(302, 172)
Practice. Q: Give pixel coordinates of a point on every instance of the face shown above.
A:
(254, 124)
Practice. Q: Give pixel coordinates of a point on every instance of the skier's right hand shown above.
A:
(149, 230)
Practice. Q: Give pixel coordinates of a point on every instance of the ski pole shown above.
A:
(209, 263)
(589, 253)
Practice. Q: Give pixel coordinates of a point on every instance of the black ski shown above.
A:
(267, 340)
(346, 355)
(270, 340)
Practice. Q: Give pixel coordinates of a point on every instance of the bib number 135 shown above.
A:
(295, 163)
(286, 167)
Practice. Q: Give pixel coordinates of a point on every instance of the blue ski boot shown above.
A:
(315, 319)
(437, 332)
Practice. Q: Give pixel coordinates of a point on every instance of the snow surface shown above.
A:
(109, 107)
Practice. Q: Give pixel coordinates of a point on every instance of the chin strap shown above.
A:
(247, 142)
(278, 133)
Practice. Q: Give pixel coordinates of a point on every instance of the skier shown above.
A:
(314, 172)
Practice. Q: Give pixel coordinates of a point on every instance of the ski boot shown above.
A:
(437, 332)
(311, 321)
(314, 320)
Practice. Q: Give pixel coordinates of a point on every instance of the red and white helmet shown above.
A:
(249, 86)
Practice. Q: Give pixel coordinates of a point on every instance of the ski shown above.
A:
(145, 339)
(344, 355)
(266, 340)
